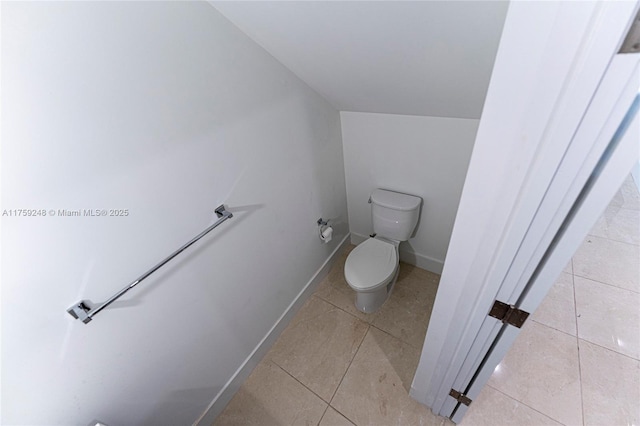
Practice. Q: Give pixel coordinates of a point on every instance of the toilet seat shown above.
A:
(371, 264)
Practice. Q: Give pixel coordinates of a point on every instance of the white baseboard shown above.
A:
(410, 257)
(228, 391)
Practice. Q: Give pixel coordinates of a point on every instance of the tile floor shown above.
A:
(334, 365)
(575, 363)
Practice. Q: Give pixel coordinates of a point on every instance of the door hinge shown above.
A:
(508, 314)
(460, 397)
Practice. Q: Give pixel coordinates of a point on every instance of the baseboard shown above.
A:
(231, 387)
(410, 257)
(358, 238)
(422, 261)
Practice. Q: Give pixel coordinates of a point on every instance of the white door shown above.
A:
(556, 99)
(606, 178)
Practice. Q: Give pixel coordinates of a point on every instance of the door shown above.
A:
(608, 175)
(543, 169)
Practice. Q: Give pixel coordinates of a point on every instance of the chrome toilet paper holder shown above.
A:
(324, 230)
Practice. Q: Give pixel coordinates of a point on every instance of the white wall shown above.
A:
(167, 110)
(423, 156)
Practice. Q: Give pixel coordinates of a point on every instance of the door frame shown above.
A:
(601, 186)
(535, 149)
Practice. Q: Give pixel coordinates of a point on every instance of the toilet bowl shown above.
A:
(371, 269)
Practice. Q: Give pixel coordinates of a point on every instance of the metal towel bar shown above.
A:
(85, 310)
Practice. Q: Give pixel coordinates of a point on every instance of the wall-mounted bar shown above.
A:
(85, 310)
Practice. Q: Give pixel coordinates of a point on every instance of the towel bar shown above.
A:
(85, 310)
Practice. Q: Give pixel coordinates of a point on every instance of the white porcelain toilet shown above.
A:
(372, 268)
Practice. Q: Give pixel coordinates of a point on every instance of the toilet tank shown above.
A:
(394, 215)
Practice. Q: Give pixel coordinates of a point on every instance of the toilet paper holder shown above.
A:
(325, 230)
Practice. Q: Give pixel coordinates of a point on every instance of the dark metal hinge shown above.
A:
(508, 314)
(460, 397)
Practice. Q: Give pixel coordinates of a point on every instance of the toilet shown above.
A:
(372, 267)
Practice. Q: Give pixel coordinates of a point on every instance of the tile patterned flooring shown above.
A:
(334, 365)
(575, 363)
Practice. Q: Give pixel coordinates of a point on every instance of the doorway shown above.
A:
(554, 105)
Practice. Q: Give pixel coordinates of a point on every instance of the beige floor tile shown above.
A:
(624, 225)
(558, 309)
(406, 314)
(333, 418)
(418, 279)
(271, 397)
(375, 389)
(610, 386)
(608, 261)
(599, 229)
(627, 197)
(617, 200)
(493, 408)
(541, 370)
(618, 224)
(569, 268)
(336, 275)
(608, 316)
(630, 194)
(341, 295)
(318, 346)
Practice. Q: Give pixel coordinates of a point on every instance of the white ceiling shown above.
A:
(399, 57)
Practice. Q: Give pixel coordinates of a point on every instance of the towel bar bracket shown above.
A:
(81, 311)
(221, 211)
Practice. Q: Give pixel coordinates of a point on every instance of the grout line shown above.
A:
(579, 371)
(354, 355)
(608, 349)
(342, 414)
(553, 328)
(331, 303)
(575, 301)
(322, 417)
(526, 405)
(294, 378)
(611, 239)
(607, 284)
(373, 316)
(399, 338)
(624, 208)
(575, 309)
(344, 310)
(389, 334)
(369, 324)
(347, 370)
(575, 305)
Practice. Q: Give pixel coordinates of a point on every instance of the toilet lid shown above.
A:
(370, 264)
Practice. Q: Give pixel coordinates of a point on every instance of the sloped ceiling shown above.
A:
(430, 58)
